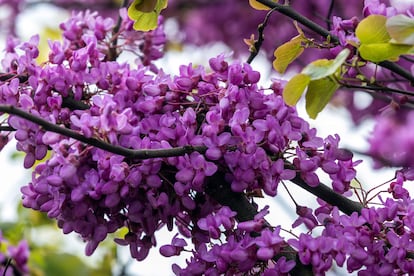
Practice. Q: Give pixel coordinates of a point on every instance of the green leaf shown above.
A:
(401, 29)
(145, 13)
(377, 52)
(286, 53)
(322, 68)
(319, 94)
(295, 88)
(372, 30)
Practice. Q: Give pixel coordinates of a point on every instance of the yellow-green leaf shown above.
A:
(401, 29)
(47, 33)
(286, 53)
(376, 43)
(319, 94)
(372, 30)
(295, 88)
(355, 184)
(377, 52)
(258, 6)
(323, 67)
(145, 13)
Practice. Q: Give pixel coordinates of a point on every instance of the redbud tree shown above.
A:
(117, 144)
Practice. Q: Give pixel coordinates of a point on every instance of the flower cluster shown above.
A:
(248, 134)
(391, 141)
(378, 241)
(13, 259)
(376, 7)
(241, 253)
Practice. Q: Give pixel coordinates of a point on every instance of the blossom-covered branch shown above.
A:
(244, 213)
(129, 153)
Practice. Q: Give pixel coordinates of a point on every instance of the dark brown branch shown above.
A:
(393, 67)
(9, 76)
(331, 197)
(216, 186)
(290, 12)
(6, 128)
(130, 153)
(8, 264)
(219, 189)
(73, 104)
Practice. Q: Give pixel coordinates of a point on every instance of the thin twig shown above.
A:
(377, 88)
(328, 16)
(6, 267)
(113, 54)
(258, 43)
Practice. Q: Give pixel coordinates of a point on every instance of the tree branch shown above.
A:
(325, 193)
(331, 197)
(393, 67)
(6, 128)
(290, 12)
(130, 153)
(9, 76)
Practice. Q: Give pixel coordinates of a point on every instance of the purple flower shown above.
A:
(306, 217)
(177, 245)
(375, 7)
